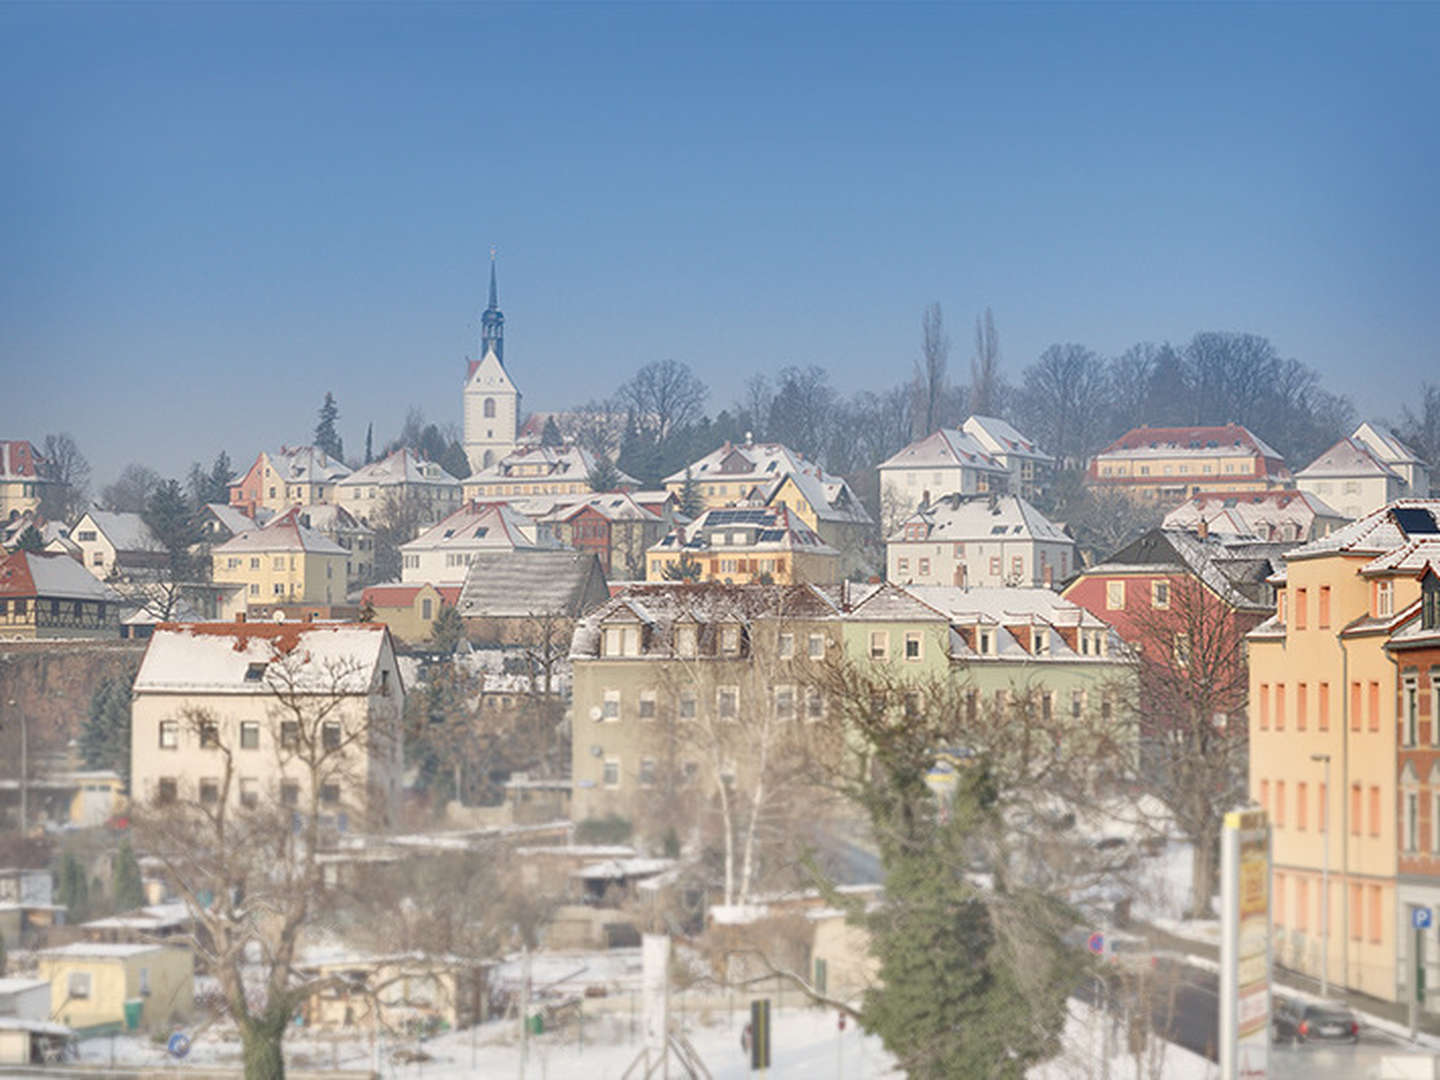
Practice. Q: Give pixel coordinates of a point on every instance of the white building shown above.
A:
(401, 478)
(1365, 471)
(491, 401)
(945, 462)
(1278, 514)
(979, 541)
(249, 693)
(112, 544)
(1028, 465)
(442, 553)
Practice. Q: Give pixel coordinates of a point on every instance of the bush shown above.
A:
(607, 830)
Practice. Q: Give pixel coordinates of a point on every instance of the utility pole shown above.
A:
(1324, 880)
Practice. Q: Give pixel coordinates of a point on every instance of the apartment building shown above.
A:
(979, 540)
(945, 462)
(1364, 471)
(1166, 465)
(284, 562)
(290, 476)
(402, 479)
(744, 545)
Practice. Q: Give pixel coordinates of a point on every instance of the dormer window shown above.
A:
(686, 640)
(1430, 604)
(730, 640)
(986, 640)
(255, 673)
(1042, 641)
(1384, 599)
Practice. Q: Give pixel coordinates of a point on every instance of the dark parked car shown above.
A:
(1300, 1021)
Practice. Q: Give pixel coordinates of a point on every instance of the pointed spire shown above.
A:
(492, 322)
(494, 293)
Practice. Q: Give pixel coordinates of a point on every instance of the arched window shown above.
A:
(489, 458)
(489, 408)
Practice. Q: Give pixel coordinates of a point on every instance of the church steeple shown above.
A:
(492, 322)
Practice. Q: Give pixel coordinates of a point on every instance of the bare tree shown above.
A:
(985, 367)
(64, 463)
(1064, 400)
(663, 396)
(1421, 430)
(930, 369)
(398, 522)
(247, 863)
(131, 490)
(802, 410)
(755, 405)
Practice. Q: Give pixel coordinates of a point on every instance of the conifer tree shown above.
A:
(369, 442)
(692, 504)
(551, 436)
(326, 437)
(105, 736)
(171, 519)
(73, 890)
(127, 890)
(604, 476)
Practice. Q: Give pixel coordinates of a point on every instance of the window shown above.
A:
(209, 734)
(289, 734)
(1324, 613)
(249, 735)
(78, 985)
(610, 710)
(1017, 566)
(984, 639)
(1115, 595)
(1374, 706)
(727, 702)
(1376, 914)
(144, 982)
(330, 735)
(1354, 706)
(1279, 804)
(610, 777)
(290, 793)
(730, 640)
(255, 673)
(687, 704)
(329, 794)
(1374, 811)
(1264, 706)
(924, 566)
(1302, 806)
(1355, 797)
(1302, 606)
(1384, 598)
(814, 704)
(384, 682)
(209, 791)
(1357, 912)
(784, 702)
(169, 734)
(1160, 594)
(647, 704)
(787, 646)
(1323, 702)
(1279, 706)
(879, 644)
(647, 772)
(1077, 703)
(249, 791)
(489, 408)
(995, 566)
(1302, 704)
(1434, 707)
(1412, 711)
(1265, 795)
(817, 647)
(1412, 822)
(426, 605)
(167, 789)
(685, 640)
(914, 646)
(1040, 639)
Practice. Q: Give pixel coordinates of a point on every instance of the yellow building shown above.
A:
(91, 984)
(283, 563)
(743, 546)
(1166, 465)
(413, 991)
(1323, 747)
(537, 470)
(23, 479)
(410, 611)
(292, 476)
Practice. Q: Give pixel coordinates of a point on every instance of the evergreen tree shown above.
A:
(326, 437)
(551, 436)
(222, 475)
(73, 889)
(369, 442)
(105, 736)
(30, 540)
(604, 476)
(447, 629)
(172, 521)
(454, 460)
(692, 504)
(127, 890)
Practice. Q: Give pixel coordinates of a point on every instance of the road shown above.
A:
(1183, 1010)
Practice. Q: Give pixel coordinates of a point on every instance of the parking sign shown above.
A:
(1420, 918)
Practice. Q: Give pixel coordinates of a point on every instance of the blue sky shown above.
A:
(215, 213)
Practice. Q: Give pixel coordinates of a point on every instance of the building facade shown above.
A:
(443, 553)
(945, 462)
(401, 479)
(491, 403)
(1274, 516)
(1028, 465)
(1367, 470)
(744, 545)
(530, 471)
(52, 596)
(284, 562)
(616, 528)
(979, 540)
(291, 476)
(114, 545)
(24, 478)
(1166, 465)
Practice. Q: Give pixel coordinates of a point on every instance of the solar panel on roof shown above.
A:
(1415, 520)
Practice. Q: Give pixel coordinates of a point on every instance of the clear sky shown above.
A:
(215, 213)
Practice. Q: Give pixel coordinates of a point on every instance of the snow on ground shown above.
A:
(806, 1043)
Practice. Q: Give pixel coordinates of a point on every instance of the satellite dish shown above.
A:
(596, 713)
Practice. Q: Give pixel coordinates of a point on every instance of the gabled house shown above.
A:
(979, 540)
(1028, 465)
(409, 611)
(744, 545)
(284, 562)
(1365, 471)
(53, 596)
(537, 470)
(1279, 515)
(341, 527)
(443, 553)
(291, 476)
(1166, 465)
(118, 545)
(612, 525)
(401, 479)
(515, 597)
(249, 693)
(945, 462)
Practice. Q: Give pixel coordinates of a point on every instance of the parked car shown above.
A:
(1302, 1021)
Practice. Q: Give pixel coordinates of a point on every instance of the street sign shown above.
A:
(179, 1044)
(1420, 918)
(1095, 942)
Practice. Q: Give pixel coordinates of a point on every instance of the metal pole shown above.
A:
(1417, 947)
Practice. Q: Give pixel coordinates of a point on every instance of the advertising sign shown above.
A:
(1245, 946)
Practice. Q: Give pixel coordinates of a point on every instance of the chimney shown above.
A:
(1204, 529)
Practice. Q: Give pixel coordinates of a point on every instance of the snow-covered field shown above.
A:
(806, 1044)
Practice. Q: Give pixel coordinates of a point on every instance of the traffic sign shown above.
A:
(179, 1044)
(1095, 942)
(1420, 918)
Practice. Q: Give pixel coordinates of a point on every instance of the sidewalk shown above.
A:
(1396, 1015)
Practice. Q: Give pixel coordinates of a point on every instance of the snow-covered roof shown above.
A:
(50, 576)
(572, 462)
(307, 464)
(125, 531)
(155, 917)
(960, 518)
(404, 466)
(1004, 605)
(760, 528)
(1263, 515)
(101, 950)
(37, 1027)
(945, 448)
(480, 526)
(1384, 445)
(234, 658)
(613, 869)
(1147, 441)
(1002, 440)
(828, 496)
(1377, 532)
(760, 462)
(233, 519)
(330, 519)
(612, 505)
(1347, 458)
(526, 582)
(20, 986)
(283, 533)
(1410, 558)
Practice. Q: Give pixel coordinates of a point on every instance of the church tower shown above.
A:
(491, 402)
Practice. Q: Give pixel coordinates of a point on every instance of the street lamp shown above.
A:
(1325, 882)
